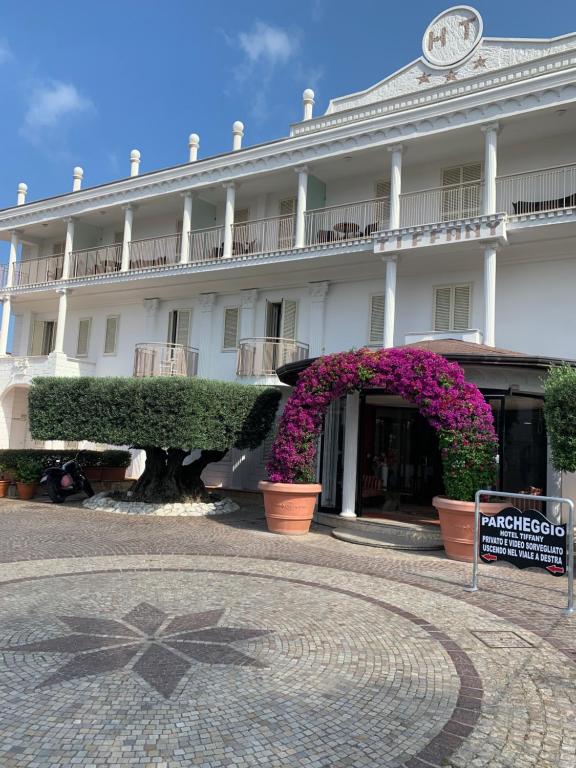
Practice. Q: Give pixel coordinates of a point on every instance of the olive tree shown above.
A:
(167, 417)
(560, 415)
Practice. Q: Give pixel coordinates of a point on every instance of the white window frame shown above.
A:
(470, 287)
(115, 352)
(80, 321)
(225, 309)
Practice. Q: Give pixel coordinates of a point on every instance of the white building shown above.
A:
(439, 203)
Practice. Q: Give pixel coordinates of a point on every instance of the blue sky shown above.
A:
(83, 83)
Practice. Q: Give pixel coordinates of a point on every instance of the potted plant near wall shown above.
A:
(454, 407)
(28, 473)
(4, 481)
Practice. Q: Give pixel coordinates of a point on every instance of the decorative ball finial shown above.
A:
(308, 101)
(22, 190)
(237, 134)
(78, 175)
(193, 144)
(134, 162)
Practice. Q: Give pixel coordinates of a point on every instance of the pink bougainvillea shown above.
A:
(454, 407)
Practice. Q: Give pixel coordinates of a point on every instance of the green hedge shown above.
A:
(10, 458)
(560, 415)
(169, 412)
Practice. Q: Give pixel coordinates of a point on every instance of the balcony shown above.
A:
(263, 235)
(155, 251)
(16, 371)
(100, 260)
(347, 222)
(448, 203)
(261, 357)
(33, 271)
(533, 192)
(158, 359)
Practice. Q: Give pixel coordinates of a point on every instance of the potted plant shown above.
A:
(28, 473)
(4, 481)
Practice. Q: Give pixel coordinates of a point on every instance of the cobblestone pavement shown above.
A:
(212, 643)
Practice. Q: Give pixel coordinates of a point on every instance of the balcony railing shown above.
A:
(263, 235)
(155, 251)
(427, 206)
(347, 222)
(206, 244)
(159, 359)
(32, 271)
(549, 189)
(96, 261)
(261, 357)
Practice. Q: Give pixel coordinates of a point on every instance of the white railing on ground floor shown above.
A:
(548, 189)
(99, 260)
(206, 244)
(43, 270)
(163, 359)
(347, 222)
(263, 235)
(155, 251)
(428, 206)
(262, 356)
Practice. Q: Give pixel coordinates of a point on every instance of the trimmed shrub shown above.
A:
(166, 416)
(560, 415)
(10, 458)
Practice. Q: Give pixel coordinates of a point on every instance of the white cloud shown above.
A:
(268, 44)
(50, 103)
(5, 52)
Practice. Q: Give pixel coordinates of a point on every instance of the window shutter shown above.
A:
(472, 172)
(382, 189)
(231, 318)
(241, 215)
(83, 336)
(111, 335)
(451, 176)
(118, 237)
(288, 206)
(36, 338)
(289, 318)
(442, 308)
(461, 307)
(183, 317)
(377, 319)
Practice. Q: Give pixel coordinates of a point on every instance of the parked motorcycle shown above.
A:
(65, 480)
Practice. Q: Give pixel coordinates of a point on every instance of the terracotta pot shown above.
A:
(93, 473)
(4, 485)
(27, 491)
(457, 525)
(114, 474)
(289, 506)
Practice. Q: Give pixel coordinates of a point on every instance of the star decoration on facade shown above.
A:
(450, 76)
(156, 647)
(423, 78)
(480, 62)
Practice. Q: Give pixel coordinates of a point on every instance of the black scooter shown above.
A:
(63, 481)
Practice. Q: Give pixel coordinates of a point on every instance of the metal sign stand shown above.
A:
(569, 610)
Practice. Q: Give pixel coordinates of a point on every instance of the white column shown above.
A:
(5, 325)
(186, 226)
(205, 333)
(193, 144)
(12, 258)
(318, 293)
(390, 301)
(350, 469)
(490, 295)
(68, 248)
(229, 218)
(61, 324)
(490, 167)
(127, 238)
(300, 237)
(395, 185)
(248, 313)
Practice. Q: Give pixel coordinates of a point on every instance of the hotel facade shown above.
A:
(437, 207)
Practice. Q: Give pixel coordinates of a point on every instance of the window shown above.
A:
(58, 248)
(463, 198)
(382, 188)
(452, 307)
(42, 337)
(179, 327)
(376, 337)
(282, 319)
(111, 335)
(241, 215)
(231, 328)
(83, 341)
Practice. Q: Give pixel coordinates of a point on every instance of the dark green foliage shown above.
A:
(168, 412)
(560, 414)
(28, 471)
(10, 458)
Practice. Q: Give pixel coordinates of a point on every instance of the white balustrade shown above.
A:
(263, 235)
(155, 251)
(33, 271)
(448, 203)
(548, 189)
(100, 260)
(262, 356)
(347, 222)
(160, 359)
(206, 244)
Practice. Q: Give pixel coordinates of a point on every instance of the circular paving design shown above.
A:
(223, 668)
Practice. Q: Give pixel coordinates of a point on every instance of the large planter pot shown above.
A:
(4, 485)
(114, 474)
(27, 491)
(93, 473)
(457, 525)
(289, 506)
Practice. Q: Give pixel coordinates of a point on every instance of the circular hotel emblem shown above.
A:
(452, 36)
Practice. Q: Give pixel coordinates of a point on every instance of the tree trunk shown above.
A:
(166, 480)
